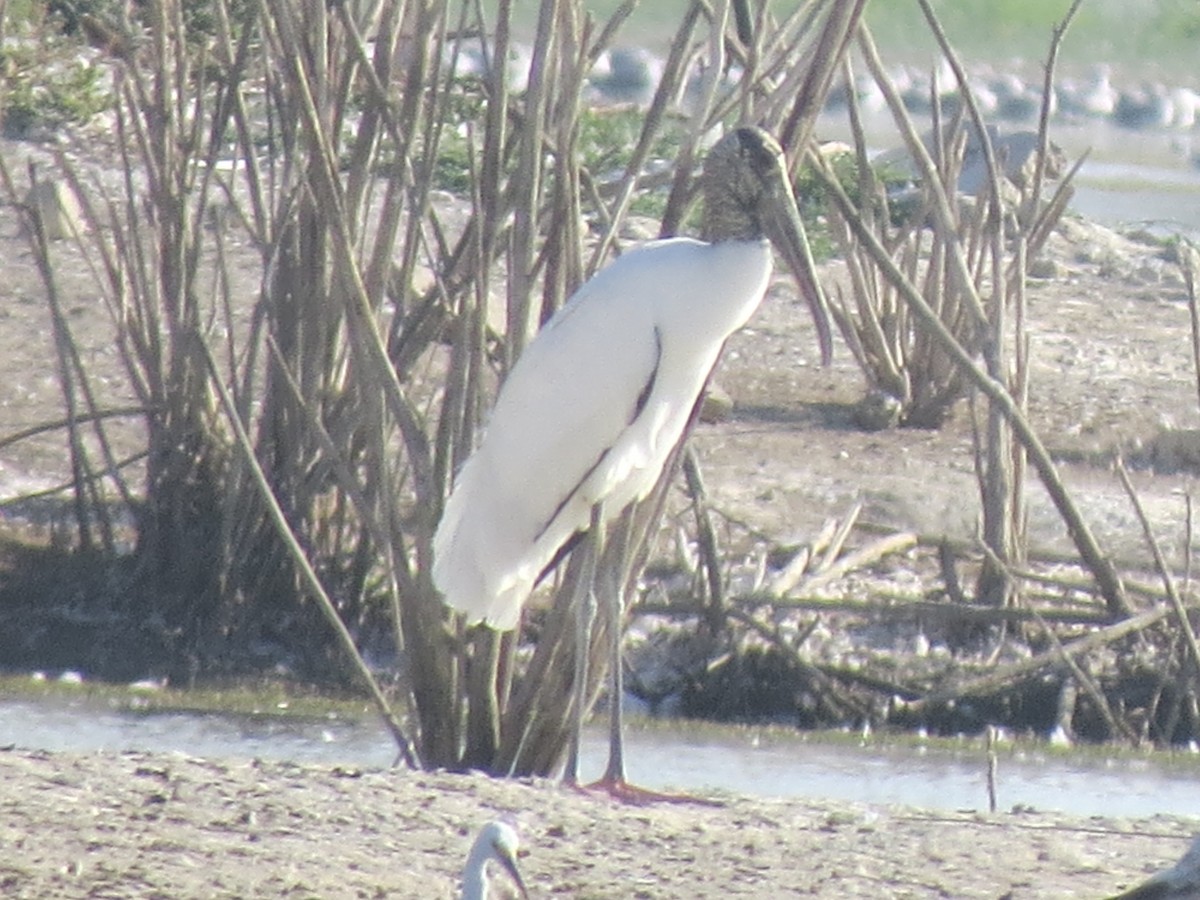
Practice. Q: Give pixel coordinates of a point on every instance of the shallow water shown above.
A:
(938, 779)
(1136, 178)
(1165, 201)
(1148, 179)
(743, 761)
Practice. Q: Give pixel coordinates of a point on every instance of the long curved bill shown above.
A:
(785, 230)
(510, 866)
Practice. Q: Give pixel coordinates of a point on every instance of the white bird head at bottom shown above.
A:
(496, 842)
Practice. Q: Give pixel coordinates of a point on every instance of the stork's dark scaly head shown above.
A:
(744, 173)
(748, 196)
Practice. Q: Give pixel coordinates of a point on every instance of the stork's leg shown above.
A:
(615, 772)
(612, 584)
(614, 782)
(585, 615)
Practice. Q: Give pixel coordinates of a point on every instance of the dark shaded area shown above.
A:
(830, 415)
(62, 610)
(88, 612)
(756, 686)
(94, 613)
(761, 685)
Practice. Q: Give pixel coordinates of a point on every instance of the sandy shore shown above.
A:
(162, 825)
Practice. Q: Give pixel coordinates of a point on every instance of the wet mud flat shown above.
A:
(171, 825)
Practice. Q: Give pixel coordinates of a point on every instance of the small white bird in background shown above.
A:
(1180, 882)
(497, 842)
(592, 410)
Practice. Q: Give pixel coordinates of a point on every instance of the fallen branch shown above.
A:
(864, 556)
(797, 567)
(1001, 677)
(1185, 624)
(904, 609)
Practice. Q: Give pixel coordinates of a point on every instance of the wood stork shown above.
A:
(590, 413)
(497, 842)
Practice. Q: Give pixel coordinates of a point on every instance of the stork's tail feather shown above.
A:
(462, 574)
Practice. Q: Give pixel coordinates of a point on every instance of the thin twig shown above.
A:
(1160, 563)
(303, 566)
(1188, 258)
(1004, 675)
(1100, 565)
(1115, 725)
(706, 538)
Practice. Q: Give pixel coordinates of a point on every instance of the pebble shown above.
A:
(1046, 268)
(58, 208)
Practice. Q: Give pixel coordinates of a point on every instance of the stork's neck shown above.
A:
(475, 885)
(475, 877)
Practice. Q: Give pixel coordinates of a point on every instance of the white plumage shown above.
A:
(595, 405)
(573, 423)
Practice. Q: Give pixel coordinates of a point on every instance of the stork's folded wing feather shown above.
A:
(560, 411)
(589, 414)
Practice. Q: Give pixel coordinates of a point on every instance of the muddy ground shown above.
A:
(172, 826)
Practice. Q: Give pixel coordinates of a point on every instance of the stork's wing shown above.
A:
(589, 414)
(560, 413)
